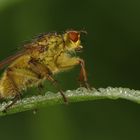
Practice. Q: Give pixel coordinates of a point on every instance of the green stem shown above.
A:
(78, 95)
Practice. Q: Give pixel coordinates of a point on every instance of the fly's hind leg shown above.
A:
(15, 99)
(43, 71)
(15, 89)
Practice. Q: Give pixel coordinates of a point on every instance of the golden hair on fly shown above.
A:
(38, 61)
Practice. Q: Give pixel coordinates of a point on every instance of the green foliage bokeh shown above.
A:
(112, 56)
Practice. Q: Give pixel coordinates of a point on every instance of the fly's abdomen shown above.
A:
(16, 80)
(7, 89)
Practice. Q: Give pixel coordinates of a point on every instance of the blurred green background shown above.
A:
(112, 55)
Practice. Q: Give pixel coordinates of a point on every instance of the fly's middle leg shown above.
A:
(43, 71)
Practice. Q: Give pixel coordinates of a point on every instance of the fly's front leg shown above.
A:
(43, 71)
(83, 75)
(65, 62)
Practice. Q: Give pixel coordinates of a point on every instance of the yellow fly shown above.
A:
(39, 60)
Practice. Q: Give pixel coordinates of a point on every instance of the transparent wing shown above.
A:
(26, 48)
(21, 51)
(11, 58)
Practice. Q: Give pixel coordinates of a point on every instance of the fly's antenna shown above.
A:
(83, 32)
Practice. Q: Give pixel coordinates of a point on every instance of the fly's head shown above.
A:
(72, 41)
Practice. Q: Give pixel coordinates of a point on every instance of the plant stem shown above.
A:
(78, 95)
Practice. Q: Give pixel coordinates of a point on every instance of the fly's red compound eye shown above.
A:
(74, 36)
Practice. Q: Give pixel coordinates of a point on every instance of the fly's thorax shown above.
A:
(55, 43)
(50, 56)
(54, 47)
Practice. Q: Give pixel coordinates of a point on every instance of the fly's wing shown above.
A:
(22, 50)
(26, 48)
(11, 58)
